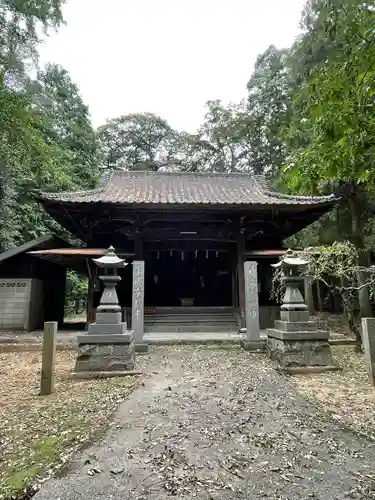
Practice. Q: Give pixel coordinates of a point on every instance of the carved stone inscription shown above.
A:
(251, 301)
(138, 300)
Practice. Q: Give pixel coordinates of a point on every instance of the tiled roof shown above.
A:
(183, 188)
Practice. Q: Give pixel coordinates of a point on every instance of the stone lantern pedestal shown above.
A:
(107, 349)
(295, 341)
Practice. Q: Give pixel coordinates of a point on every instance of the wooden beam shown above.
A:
(188, 245)
(88, 221)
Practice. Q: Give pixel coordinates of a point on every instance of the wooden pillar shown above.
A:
(234, 287)
(233, 267)
(241, 258)
(61, 304)
(92, 272)
(54, 294)
(138, 246)
(90, 315)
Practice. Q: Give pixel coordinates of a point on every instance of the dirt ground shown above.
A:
(38, 434)
(221, 423)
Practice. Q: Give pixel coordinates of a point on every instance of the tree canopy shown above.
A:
(46, 137)
(137, 141)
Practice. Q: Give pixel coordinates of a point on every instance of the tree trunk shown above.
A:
(319, 296)
(344, 305)
(364, 296)
(336, 302)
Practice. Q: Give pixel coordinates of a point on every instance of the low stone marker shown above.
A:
(48, 358)
(368, 339)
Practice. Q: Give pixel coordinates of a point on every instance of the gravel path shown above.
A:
(218, 424)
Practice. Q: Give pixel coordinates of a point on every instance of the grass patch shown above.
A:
(17, 481)
(47, 448)
(38, 434)
(347, 395)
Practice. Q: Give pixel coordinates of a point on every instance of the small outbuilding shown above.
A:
(31, 290)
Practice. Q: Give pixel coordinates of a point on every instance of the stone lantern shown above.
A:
(109, 310)
(295, 341)
(107, 347)
(293, 300)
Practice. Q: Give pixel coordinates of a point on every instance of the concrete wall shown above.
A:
(14, 303)
(21, 304)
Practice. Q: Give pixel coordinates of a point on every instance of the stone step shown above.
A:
(192, 310)
(194, 320)
(191, 319)
(191, 328)
(175, 338)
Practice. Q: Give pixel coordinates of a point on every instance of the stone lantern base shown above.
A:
(298, 346)
(111, 353)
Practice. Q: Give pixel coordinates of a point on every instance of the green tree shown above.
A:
(246, 136)
(46, 138)
(339, 107)
(221, 142)
(224, 135)
(269, 108)
(137, 141)
(65, 122)
(25, 158)
(21, 21)
(332, 135)
(76, 291)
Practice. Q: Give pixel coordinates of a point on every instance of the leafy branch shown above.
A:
(335, 267)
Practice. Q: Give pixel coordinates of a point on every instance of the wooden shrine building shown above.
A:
(193, 231)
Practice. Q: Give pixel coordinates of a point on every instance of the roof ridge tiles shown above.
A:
(139, 187)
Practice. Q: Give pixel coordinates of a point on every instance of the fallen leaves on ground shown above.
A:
(346, 394)
(226, 425)
(39, 434)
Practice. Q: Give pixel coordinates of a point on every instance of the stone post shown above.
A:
(309, 297)
(107, 349)
(138, 305)
(295, 341)
(251, 339)
(48, 358)
(368, 339)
